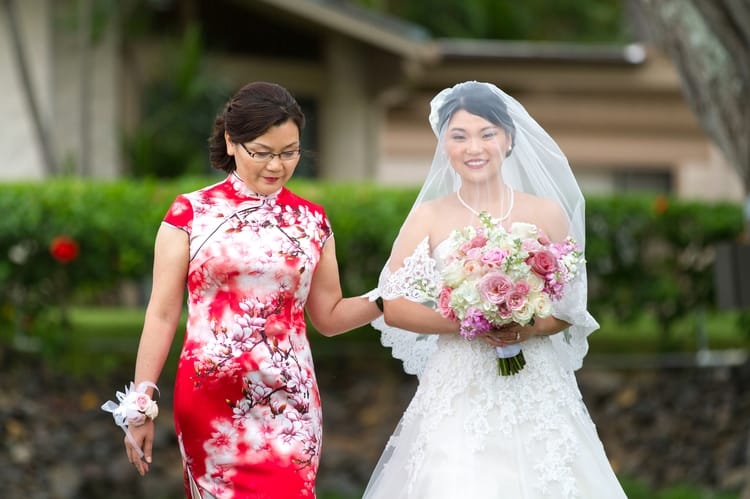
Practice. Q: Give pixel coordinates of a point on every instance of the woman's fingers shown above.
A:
(143, 436)
(148, 443)
(507, 335)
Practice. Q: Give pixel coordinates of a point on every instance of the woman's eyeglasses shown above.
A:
(265, 157)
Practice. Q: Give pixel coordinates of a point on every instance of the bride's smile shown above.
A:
(475, 145)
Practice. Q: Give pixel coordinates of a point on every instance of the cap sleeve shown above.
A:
(180, 214)
(325, 227)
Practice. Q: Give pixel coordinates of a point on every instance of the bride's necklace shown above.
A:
(475, 212)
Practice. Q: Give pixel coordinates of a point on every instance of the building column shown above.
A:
(350, 118)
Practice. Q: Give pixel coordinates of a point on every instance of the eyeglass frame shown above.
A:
(253, 155)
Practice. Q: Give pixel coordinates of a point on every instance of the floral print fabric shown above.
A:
(246, 402)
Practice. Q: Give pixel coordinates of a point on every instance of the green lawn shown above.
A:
(112, 335)
(710, 330)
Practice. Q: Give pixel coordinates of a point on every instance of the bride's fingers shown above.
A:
(503, 337)
(493, 340)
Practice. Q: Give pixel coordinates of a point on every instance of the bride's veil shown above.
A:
(536, 165)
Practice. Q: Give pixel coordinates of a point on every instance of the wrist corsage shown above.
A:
(135, 407)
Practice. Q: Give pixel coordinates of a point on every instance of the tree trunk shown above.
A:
(709, 43)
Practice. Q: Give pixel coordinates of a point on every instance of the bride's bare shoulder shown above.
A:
(433, 218)
(431, 210)
(547, 214)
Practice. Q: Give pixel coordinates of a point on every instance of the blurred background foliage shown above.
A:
(176, 114)
(563, 20)
(646, 253)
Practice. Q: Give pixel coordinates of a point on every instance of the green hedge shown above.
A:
(645, 253)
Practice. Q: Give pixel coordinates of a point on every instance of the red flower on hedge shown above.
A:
(64, 249)
(661, 204)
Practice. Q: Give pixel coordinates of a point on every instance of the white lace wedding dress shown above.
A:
(471, 433)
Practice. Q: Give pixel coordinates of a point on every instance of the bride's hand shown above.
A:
(144, 437)
(508, 334)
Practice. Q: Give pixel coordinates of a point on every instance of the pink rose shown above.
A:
(471, 267)
(516, 300)
(444, 300)
(522, 287)
(543, 239)
(474, 253)
(494, 287)
(142, 407)
(542, 262)
(142, 401)
(530, 245)
(477, 241)
(504, 311)
(494, 257)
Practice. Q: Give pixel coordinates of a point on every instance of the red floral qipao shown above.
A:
(246, 402)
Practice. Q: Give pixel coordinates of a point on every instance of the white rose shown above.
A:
(536, 283)
(524, 230)
(542, 305)
(453, 274)
(152, 410)
(524, 314)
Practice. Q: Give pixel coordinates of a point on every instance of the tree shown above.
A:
(562, 20)
(709, 43)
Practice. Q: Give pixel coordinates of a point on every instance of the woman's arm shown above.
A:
(171, 255)
(412, 316)
(544, 327)
(329, 311)
(165, 304)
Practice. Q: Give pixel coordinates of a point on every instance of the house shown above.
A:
(365, 81)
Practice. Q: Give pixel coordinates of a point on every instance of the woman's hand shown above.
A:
(144, 438)
(513, 333)
(508, 334)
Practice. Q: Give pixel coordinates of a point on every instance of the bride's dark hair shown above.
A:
(478, 99)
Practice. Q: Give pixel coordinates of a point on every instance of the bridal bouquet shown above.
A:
(493, 277)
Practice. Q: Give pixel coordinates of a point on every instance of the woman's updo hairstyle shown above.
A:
(478, 99)
(251, 112)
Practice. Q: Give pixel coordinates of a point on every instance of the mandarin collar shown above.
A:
(241, 188)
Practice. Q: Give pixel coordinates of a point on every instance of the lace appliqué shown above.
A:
(572, 344)
(417, 280)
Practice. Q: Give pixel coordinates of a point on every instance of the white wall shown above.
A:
(20, 154)
(53, 61)
(103, 101)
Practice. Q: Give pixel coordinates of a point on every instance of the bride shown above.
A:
(470, 432)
